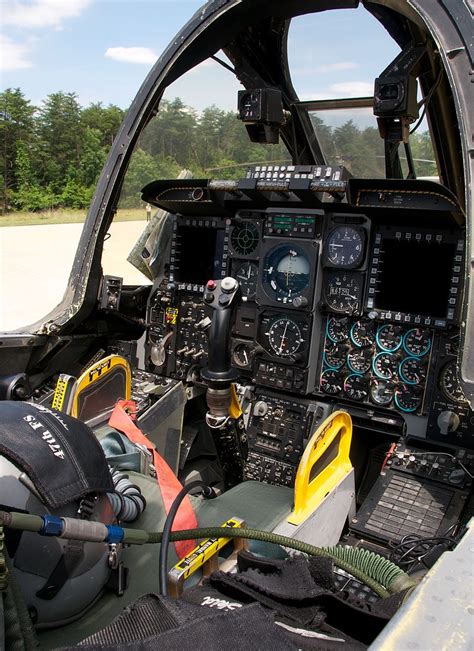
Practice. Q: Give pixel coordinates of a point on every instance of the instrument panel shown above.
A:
(339, 307)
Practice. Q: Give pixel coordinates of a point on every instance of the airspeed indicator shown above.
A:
(345, 247)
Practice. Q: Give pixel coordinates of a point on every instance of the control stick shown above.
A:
(222, 296)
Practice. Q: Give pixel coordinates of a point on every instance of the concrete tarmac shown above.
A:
(35, 262)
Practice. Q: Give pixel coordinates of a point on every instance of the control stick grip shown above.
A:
(222, 296)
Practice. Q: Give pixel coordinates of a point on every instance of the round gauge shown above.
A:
(384, 366)
(247, 275)
(335, 355)
(407, 398)
(343, 292)
(356, 387)
(243, 354)
(417, 342)
(412, 370)
(337, 330)
(382, 392)
(284, 336)
(359, 360)
(331, 382)
(363, 333)
(345, 247)
(389, 337)
(449, 383)
(244, 238)
(286, 273)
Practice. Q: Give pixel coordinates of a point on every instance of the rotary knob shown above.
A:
(448, 421)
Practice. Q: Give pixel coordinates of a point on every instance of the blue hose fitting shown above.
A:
(115, 534)
(52, 526)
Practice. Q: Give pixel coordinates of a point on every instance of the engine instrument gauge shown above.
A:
(356, 387)
(359, 360)
(247, 275)
(343, 291)
(337, 330)
(244, 238)
(412, 370)
(417, 342)
(335, 355)
(389, 337)
(284, 336)
(408, 397)
(382, 392)
(449, 384)
(345, 247)
(363, 333)
(243, 355)
(286, 273)
(384, 365)
(331, 382)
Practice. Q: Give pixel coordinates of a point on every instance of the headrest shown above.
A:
(60, 455)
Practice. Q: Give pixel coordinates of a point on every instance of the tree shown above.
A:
(16, 125)
(60, 137)
(93, 157)
(105, 120)
(142, 169)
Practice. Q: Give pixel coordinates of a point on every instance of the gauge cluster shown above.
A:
(381, 364)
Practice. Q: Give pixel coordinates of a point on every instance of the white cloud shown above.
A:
(336, 67)
(132, 54)
(41, 13)
(353, 89)
(13, 56)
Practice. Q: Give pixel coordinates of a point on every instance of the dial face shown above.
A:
(335, 355)
(345, 247)
(384, 366)
(284, 336)
(389, 337)
(343, 292)
(337, 330)
(244, 238)
(356, 387)
(412, 370)
(286, 273)
(417, 342)
(382, 392)
(243, 355)
(449, 384)
(359, 360)
(331, 382)
(247, 275)
(249, 106)
(407, 398)
(363, 333)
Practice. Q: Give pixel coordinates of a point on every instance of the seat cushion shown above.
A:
(262, 506)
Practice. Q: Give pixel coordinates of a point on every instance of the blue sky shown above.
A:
(103, 50)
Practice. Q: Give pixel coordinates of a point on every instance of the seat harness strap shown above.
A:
(122, 419)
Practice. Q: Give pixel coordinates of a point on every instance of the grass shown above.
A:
(65, 216)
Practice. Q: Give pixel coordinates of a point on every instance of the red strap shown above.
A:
(168, 483)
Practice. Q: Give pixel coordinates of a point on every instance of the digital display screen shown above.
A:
(415, 277)
(196, 253)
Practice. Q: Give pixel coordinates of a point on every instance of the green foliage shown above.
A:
(16, 125)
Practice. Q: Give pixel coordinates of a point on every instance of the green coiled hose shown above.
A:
(377, 572)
